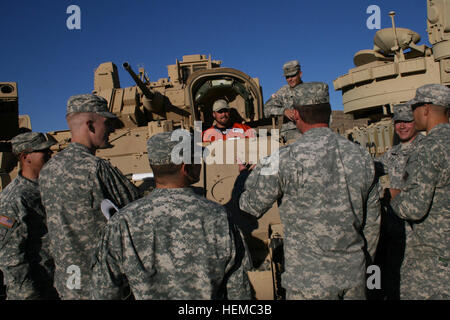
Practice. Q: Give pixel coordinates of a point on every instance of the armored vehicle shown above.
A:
(178, 101)
(184, 100)
(391, 72)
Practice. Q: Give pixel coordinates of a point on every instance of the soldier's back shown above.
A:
(327, 183)
(177, 245)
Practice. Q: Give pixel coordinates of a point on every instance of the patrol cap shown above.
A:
(435, 94)
(220, 104)
(312, 93)
(89, 103)
(290, 68)
(403, 112)
(31, 141)
(160, 146)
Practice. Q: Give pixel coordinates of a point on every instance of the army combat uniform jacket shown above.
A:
(424, 202)
(284, 99)
(24, 255)
(73, 184)
(391, 246)
(327, 200)
(395, 159)
(172, 244)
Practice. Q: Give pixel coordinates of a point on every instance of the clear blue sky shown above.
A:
(51, 63)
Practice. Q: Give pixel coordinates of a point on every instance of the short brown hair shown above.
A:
(440, 109)
(164, 170)
(314, 114)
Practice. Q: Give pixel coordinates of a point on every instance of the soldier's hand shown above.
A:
(394, 192)
(244, 165)
(289, 113)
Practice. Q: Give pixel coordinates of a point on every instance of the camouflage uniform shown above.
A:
(324, 185)
(24, 255)
(424, 203)
(391, 247)
(394, 160)
(283, 99)
(172, 244)
(72, 185)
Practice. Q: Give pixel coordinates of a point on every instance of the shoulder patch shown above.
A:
(7, 222)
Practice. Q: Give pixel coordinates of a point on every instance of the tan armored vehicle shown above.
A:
(390, 73)
(184, 100)
(186, 96)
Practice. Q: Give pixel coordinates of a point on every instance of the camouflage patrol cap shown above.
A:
(89, 103)
(312, 93)
(31, 142)
(403, 112)
(220, 104)
(435, 94)
(290, 68)
(160, 146)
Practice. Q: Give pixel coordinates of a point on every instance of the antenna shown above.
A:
(398, 50)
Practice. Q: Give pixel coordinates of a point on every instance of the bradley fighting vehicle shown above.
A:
(184, 100)
(391, 72)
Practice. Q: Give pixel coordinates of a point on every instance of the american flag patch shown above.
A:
(6, 221)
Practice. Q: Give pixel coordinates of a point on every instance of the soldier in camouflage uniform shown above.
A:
(392, 239)
(424, 201)
(328, 203)
(72, 185)
(394, 160)
(281, 103)
(24, 255)
(173, 243)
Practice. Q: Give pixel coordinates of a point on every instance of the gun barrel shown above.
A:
(147, 93)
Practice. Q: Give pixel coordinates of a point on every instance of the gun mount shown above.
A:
(146, 91)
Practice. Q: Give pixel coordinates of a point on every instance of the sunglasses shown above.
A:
(293, 76)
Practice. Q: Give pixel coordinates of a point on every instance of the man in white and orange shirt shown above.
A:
(224, 128)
